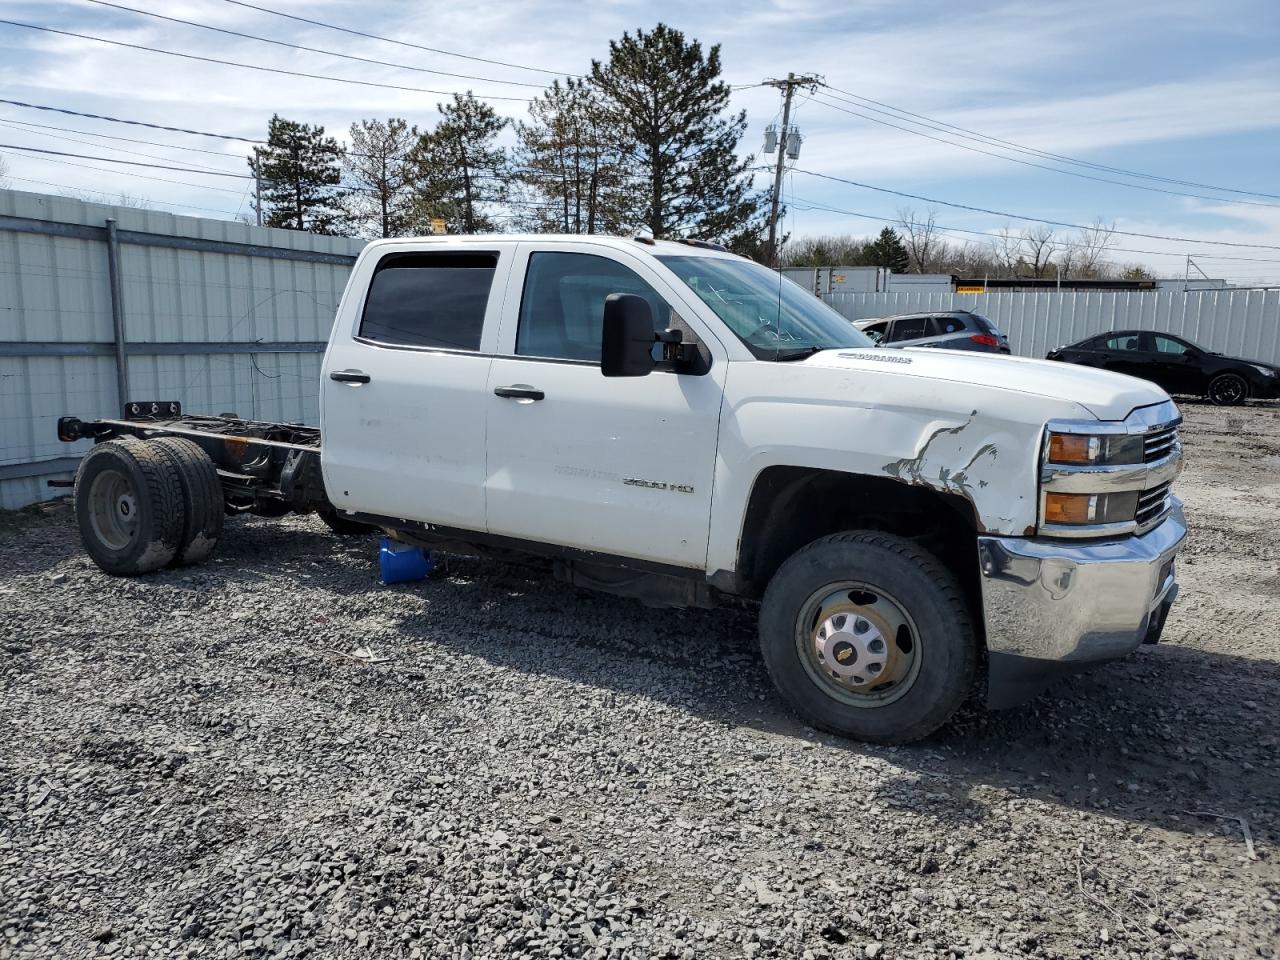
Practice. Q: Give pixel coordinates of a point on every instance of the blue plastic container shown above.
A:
(400, 562)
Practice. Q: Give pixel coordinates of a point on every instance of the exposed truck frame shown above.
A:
(266, 468)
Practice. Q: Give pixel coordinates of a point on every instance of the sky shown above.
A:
(1182, 90)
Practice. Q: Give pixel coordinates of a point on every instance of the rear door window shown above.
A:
(909, 328)
(1169, 345)
(1127, 342)
(429, 300)
(941, 326)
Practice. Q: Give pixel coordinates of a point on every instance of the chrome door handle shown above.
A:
(519, 391)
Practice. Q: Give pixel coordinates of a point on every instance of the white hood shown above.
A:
(1108, 396)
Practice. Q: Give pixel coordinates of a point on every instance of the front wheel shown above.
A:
(868, 636)
(1227, 390)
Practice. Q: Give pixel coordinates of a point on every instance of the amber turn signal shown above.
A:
(1072, 448)
(1068, 507)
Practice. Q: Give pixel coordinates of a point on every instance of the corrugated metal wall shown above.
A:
(55, 299)
(1242, 323)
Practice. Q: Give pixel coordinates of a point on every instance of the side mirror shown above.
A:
(626, 344)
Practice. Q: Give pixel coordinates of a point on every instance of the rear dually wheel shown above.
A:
(129, 507)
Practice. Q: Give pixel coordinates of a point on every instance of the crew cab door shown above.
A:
(403, 387)
(621, 466)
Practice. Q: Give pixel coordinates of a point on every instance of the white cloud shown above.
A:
(1061, 75)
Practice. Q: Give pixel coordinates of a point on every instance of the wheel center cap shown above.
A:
(852, 647)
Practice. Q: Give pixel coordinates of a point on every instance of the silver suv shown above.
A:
(948, 329)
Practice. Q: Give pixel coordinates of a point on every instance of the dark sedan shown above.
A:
(1175, 364)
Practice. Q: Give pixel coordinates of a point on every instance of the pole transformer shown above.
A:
(788, 145)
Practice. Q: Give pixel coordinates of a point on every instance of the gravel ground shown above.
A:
(198, 763)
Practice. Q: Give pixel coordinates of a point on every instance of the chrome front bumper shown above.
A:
(1052, 607)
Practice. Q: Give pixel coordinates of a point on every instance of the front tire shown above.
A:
(868, 636)
(1228, 390)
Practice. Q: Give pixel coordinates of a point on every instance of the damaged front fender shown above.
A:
(947, 460)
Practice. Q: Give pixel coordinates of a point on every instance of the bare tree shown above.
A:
(122, 199)
(1088, 254)
(1006, 248)
(1038, 246)
(921, 237)
(378, 169)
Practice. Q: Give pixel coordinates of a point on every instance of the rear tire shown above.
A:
(1228, 390)
(868, 636)
(129, 507)
(202, 499)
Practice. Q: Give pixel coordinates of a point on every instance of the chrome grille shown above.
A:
(1152, 503)
(1159, 444)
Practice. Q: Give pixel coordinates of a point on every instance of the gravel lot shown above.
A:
(197, 763)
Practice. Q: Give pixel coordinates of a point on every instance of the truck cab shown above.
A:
(666, 421)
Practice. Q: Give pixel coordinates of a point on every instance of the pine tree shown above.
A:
(459, 171)
(300, 169)
(665, 105)
(380, 203)
(572, 178)
(887, 250)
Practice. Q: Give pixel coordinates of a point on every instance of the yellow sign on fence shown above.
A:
(971, 289)
(438, 225)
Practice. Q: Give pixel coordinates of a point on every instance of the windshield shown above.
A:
(775, 318)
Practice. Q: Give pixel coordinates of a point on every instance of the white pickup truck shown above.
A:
(670, 422)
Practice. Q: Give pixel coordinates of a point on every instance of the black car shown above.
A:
(1176, 365)
(947, 329)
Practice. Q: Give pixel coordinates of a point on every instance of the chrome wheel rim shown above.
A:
(113, 509)
(859, 644)
(1228, 390)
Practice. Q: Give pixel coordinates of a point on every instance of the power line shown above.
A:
(244, 66)
(103, 193)
(402, 43)
(295, 46)
(21, 128)
(1019, 216)
(1032, 151)
(108, 136)
(132, 163)
(134, 123)
(124, 173)
(1040, 166)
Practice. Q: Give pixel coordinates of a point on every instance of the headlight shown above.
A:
(1265, 371)
(1107, 479)
(1079, 509)
(1083, 450)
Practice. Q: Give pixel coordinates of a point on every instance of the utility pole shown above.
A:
(257, 193)
(785, 138)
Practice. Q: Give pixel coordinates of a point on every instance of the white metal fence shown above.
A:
(1242, 323)
(219, 315)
